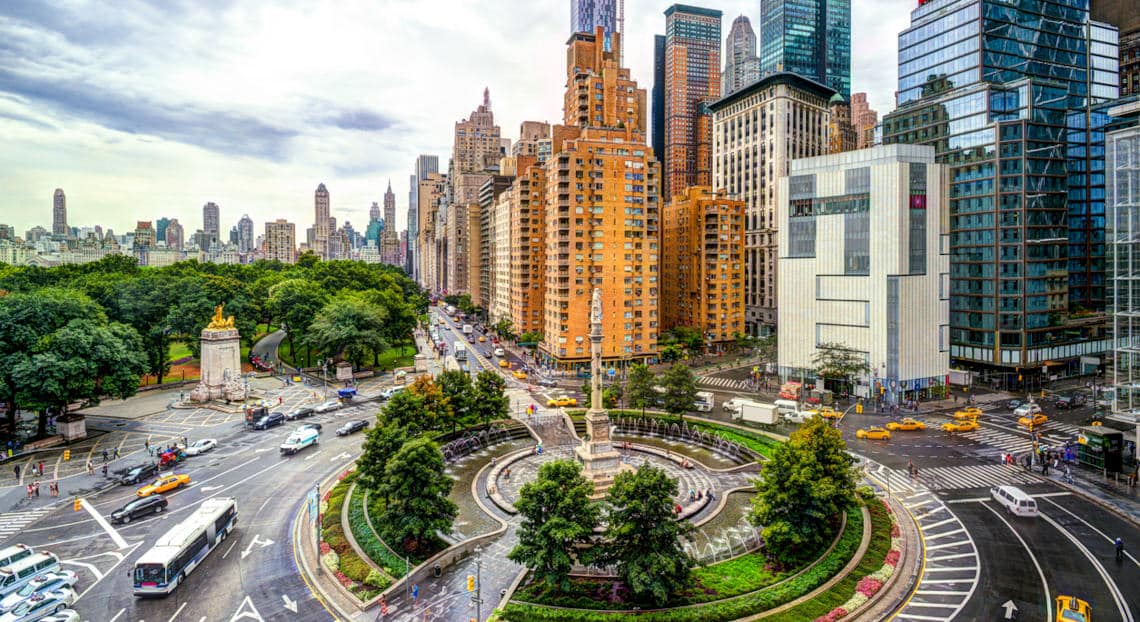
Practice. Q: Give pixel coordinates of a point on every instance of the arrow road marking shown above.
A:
(209, 488)
(247, 611)
(256, 541)
(343, 456)
(1010, 608)
(263, 449)
(291, 605)
(312, 455)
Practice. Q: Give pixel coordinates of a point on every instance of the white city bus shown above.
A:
(179, 552)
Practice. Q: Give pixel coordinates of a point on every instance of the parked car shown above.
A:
(164, 484)
(67, 615)
(300, 413)
(40, 605)
(268, 421)
(327, 407)
(201, 446)
(153, 504)
(1064, 402)
(311, 426)
(52, 581)
(350, 427)
(387, 394)
(139, 473)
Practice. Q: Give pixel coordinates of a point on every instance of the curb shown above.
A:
(1130, 518)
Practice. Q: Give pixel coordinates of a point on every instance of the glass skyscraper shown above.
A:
(811, 38)
(586, 15)
(1007, 95)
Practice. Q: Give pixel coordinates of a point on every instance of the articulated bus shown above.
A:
(178, 553)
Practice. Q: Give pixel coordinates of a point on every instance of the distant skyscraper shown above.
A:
(658, 113)
(160, 229)
(811, 38)
(374, 211)
(425, 165)
(59, 213)
(585, 15)
(692, 79)
(174, 235)
(245, 234)
(864, 119)
(390, 208)
(741, 65)
(211, 224)
(281, 241)
(321, 222)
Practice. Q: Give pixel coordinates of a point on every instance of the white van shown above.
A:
(1015, 500)
(796, 416)
(300, 439)
(787, 406)
(18, 574)
(1026, 410)
(731, 405)
(12, 554)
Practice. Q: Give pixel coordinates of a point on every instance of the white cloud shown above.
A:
(140, 112)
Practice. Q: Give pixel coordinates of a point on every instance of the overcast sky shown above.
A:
(140, 112)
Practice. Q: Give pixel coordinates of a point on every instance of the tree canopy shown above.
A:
(416, 490)
(680, 389)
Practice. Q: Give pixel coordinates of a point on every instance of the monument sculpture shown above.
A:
(220, 361)
(600, 461)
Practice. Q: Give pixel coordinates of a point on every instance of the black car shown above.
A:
(145, 506)
(299, 414)
(268, 421)
(350, 427)
(138, 473)
(315, 426)
(1063, 402)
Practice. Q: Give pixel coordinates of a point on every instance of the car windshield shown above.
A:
(1073, 615)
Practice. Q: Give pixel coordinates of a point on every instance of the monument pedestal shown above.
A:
(600, 461)
(221, 367)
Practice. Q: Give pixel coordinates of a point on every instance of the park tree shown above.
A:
(348, 326)
(557, 517)
(836, 362)
(802, 490)
(643, 534)
(295, 303)
(680, 389)
(382, 442)
(435, 406)
(406, 409)
(639, 391)
(458, 391)
(687, 337)
(490, 401)
(417, 489)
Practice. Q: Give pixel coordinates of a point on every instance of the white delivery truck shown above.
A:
(468, 329)
(748, 410)
(704, 402)
(300, 439)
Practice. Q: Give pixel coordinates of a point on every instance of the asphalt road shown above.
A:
(253, 575)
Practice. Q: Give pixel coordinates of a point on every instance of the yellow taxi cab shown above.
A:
(906, 425)
(874, 433)
(828, 413)
(164, 484)
(1033, 420)
(504, 363)
(1073, 609)
(440, 320)
(520, 374)
(562, 401)
(960, 426)
(968, 413)
(482, 339)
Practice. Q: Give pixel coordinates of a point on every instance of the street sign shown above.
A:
(612, 372)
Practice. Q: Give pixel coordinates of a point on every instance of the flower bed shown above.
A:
(721, 610)
(337, 554)
(369, 541)
(759, 443)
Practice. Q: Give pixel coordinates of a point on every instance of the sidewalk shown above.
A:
(1110, 493)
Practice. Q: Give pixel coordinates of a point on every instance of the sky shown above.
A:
(143, 110)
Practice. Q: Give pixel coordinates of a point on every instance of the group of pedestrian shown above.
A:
(911, 470)
(34, 489)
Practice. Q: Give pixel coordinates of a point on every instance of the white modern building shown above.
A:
(1122, 234)
(863, 264)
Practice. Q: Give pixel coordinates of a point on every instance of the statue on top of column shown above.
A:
(596, 307)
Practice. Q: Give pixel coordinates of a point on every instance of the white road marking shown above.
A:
(313, 455)
(232, 545)
(177, 611)
(1032, 557)
(1121, 604)
(121, 611)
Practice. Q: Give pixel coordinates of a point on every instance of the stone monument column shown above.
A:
(600, 461)
(220, 362)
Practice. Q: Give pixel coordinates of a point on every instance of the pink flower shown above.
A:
(867, 586)
(325, 548)
(836, 614)
(892, 557)
(894, 531)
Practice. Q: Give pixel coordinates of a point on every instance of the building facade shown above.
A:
(175, 236)
(702, 270)
(741, 64)
(527, 273)
(692, 79)
(586, 15)
(864, 119)
(602, 213)
(212, 223)
(245, 238)
(811, 38)
(757, 131)
(321, 230)
(1122, 198)
(658, 101)
(59, 213)
(425, 165)
(880, 290)
(982, 82)
(281, 241)
(1124, 15)
(430, 193)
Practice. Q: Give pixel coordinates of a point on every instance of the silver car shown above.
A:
(201, 446)
(52, 581)
(40, 605)
(327, 407)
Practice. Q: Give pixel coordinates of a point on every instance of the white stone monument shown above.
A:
(220, 362)
(600, 461)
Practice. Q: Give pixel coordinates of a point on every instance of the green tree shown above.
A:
(416, 488)
(557, 518)
(295, 302)
(639, 391)
(490, 401)
(458, 391)
(504, 328)
(347, 326)
(687, 337)
(680, 389)
(406, 409)
(383, 441)
(643, 534)
(837, 362)
(435, 406)
(808, 482)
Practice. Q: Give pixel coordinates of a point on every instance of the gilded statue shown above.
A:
(218, 322)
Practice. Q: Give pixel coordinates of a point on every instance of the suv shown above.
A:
(350, 427)
(300, 413)
(139, 473)
(268, 421)
(153, 504)
(1063, 402)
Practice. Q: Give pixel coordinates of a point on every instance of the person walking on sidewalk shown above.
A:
(16, 468)
(41, 468)
(90, 468)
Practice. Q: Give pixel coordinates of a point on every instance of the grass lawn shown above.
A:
(178, 350)
(397, 357)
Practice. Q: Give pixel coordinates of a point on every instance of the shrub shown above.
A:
(367, 538)
(866, 493)
(331, 561)
(377, 580)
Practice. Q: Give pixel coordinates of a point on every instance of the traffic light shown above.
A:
(78, 505)
(66, 455)
(470, 583)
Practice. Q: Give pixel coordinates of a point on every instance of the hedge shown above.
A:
(351, 571)
(366, 537)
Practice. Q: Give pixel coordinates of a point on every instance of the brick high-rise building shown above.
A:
(425, 165)
(527, 205)
(840, 132)
(430, 192)
(211, 225)
(321, 229)
(601, 213)
(175, 236)
(702, 270)
(864, 119)
(59, 213)
(281, 241)
(692, 79)
(741, 64)
(482, 263)
(475, 155)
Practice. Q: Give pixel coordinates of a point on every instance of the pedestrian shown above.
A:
(29, 491)
(104, 470)
(36, 488)
(104, 455)
(1133, 476)
(17, 470)
(1044, 467)
(116, 456)
(41, 468)
(90, 468)
(146, 444)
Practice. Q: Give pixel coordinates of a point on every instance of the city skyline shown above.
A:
(258, 136)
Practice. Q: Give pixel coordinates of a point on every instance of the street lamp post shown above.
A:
(478, 584)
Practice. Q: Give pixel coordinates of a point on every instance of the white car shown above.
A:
(327, 407)
(389, 392)
(40, 605)
(67, 615)
(52, 581)
(499, 352)
(201, 446)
